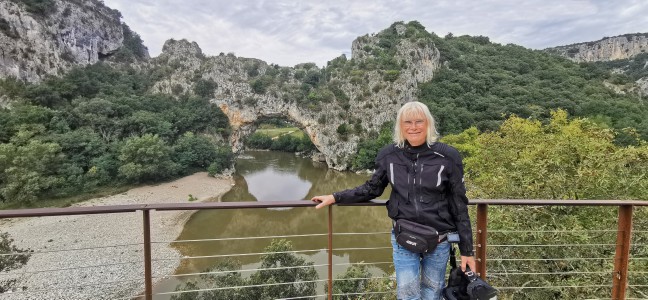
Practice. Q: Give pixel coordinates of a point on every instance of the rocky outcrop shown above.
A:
(606, 49)
(36, 44)
(322, 102)
(627, 46)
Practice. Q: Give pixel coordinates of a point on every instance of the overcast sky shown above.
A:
(288, 32)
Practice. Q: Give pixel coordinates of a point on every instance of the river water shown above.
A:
(279, 176)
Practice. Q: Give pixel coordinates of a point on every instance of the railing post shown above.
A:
(624, 234)
(482, 225)
(330, 252)
(148, 284)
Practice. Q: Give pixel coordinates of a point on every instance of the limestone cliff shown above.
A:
(606, 49)
(40, 41)
(622, 51)
(320, 101)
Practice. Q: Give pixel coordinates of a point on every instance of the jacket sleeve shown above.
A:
(371, 189)
(459, 206)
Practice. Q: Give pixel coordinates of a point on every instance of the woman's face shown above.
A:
(414, 128)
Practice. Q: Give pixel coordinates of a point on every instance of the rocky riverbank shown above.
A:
(101, 256)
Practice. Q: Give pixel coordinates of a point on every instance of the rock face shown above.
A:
(613, 48)
(249, 90)
(33, 44)
(626, 46)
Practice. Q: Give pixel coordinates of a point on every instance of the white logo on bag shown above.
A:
(411, 243)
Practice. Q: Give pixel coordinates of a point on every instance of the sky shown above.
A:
(289, 32)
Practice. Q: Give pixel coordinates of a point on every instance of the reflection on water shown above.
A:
(277, 176)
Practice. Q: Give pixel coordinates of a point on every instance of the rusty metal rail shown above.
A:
(619, 280)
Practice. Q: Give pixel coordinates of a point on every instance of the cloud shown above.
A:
(291, 32)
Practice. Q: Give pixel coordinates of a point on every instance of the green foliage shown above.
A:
(561, 160)
(289, 143)
(146, 158)
(391, 75)
(483, 83)
(280, 139)
(38, 7)
(72, 131)
(368, 148)
(28, 170)
(634, 67)
(252, 68)
(194, 151)
(223, 160)
(356, 282)
(260, 85)
(343, 129)
(259, 140)
(132, 49)
(205, 88)
(278, 266)
(312, 77)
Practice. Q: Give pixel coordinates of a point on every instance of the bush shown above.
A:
(205, 88)
(194, 151)
(223, 160)
(343, 129)
(146, 158)
(391, 75)
(278, 265)
(259, 141)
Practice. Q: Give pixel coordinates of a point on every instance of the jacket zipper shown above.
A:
(416, 193)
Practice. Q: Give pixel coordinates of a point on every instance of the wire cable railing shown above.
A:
(607, 261)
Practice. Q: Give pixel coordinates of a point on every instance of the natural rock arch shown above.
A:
(247, 90)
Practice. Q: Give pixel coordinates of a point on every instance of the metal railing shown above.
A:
(618, 278)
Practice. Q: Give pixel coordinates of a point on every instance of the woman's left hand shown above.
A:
(470, 261)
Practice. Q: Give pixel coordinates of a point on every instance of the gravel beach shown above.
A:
(102, 255)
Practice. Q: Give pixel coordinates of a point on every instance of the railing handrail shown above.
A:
(87, 210)
(621, 258)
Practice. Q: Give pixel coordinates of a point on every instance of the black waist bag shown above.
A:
(416, 237)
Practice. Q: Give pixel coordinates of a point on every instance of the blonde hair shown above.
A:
(410, 109)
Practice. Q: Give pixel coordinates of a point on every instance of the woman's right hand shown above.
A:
(323, 201)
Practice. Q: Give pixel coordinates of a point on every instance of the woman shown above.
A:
(427, 187)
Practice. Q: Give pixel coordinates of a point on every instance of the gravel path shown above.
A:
(103, 257)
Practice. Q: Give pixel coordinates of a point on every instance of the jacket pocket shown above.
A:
(398, 177)
(433, 179)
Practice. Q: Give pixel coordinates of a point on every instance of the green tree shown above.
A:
(146, 158)
(564, 159)
(356, 282)
(194, 151)
(368, 148)
(259, 140)
(28, 170)
(205, 88)
(283, 275)
(300, 279)
(223, 160)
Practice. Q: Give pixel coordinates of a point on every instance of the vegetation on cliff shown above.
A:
(98, 126)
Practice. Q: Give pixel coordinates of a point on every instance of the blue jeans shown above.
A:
(420, 276)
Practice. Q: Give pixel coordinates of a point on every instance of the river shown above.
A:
(279, 176)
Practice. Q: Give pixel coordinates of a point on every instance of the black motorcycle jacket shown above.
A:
(427, 188)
